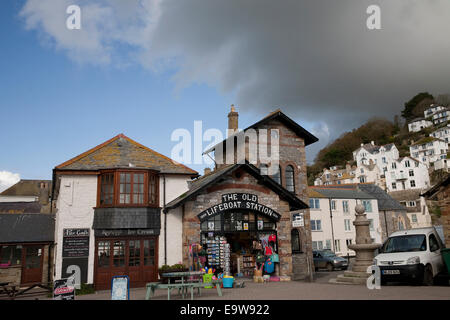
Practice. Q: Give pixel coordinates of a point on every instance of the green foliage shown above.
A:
(410, 111)
(175, 267)
(85, 288)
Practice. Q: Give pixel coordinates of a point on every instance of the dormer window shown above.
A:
(128, 188)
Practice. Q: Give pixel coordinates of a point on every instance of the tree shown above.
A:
(421, 100)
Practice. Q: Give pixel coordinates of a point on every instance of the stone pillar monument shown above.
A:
(364, 249)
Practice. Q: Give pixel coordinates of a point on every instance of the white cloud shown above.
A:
(7, 179)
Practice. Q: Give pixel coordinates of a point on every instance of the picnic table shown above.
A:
(182, 286)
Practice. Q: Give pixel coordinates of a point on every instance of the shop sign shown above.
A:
(75, 243)
(235, 201)
(297, 220)
(125, 232)
(64, 289)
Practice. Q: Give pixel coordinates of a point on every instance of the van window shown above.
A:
(434, 245)
(407, 243)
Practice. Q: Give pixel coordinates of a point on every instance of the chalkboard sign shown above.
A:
(75, 243)
(120, 288)
(64, 289)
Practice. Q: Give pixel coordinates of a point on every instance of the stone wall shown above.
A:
(244, 184)
(11, 274)
(391, 220)
(444, 204)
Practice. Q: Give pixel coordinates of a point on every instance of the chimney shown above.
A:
(207, 171)
(233, 119)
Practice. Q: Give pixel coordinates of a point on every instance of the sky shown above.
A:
(145, 68)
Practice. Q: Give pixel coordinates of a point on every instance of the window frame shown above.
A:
(148, 175)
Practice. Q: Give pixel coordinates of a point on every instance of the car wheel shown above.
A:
(329, 267)
(428, 276)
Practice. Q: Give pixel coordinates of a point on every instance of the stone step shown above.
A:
(336, 281)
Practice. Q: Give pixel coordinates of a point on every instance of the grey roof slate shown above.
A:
(385, 201)
(28, 227)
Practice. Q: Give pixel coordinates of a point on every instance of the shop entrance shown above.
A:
(135, 257)
(32, 264)
(238, 242)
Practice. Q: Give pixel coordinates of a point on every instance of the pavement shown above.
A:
(320, 289)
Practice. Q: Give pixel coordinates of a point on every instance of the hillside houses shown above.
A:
(428, 150)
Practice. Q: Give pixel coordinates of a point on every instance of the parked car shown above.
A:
(411, 255)
(329, 260)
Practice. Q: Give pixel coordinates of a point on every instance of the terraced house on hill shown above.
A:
(108, 218)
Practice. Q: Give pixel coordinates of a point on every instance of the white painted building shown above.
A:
(332, 212)
(442, 133)
(407, 173)
(434, 108)
(113, 195)
(428, 150)
(441, 116)
(380, 155)
(419, 124)
(442, 164)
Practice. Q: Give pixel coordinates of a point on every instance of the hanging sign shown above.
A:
(234, 201)
(297, 220)
(120, 288)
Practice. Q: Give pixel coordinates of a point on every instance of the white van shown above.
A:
(413, 255)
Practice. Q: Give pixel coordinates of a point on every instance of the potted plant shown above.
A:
(179, 267)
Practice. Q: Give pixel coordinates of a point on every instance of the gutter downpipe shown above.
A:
(332, 230)
(385, 223)
(165, 219)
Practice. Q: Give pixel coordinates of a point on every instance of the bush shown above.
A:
(85, 288)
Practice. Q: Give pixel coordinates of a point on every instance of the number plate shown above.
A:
(391, 271)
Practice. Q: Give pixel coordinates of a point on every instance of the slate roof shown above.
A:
(385, 201)
(32, 227)
(341, 193)
(406, 195)
(374, 148)
(215, 176)
(437, 187)
(120, 152)
(20, 207)
(26, 187)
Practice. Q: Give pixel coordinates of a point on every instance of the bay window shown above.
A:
(128, 188)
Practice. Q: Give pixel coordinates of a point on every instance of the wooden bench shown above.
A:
(216, 283)
(9, 289)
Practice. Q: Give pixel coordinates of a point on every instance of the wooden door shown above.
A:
(32, 264)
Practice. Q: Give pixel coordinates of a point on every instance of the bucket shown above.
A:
(228, 282)
(207, 278)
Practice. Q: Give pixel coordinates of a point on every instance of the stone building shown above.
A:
(26, 233)
(416, 207)
(439, 194)
(241, 202)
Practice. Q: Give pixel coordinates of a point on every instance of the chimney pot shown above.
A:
(233, 119)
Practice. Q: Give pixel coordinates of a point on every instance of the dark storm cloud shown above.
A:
(316, 60)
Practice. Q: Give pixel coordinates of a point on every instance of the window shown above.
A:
(333, 204)
(434, 245)
(384, 160)
(316, 225)
(367, 205)
(33, 257)
(394, 185)
(314, 203)
(328, 244)
(345, 206)
(134, 253)
(10, 255)
(347, 224)
(414, 217)
(411, 173)
(337, 245)
(411, 203)
(413, 183)
(317, 245)
(119, 253)
(407, 164)
(362, 179)
(107, 189)
(394, 165)
(103, 251)
(348, 242)
(128, 188)
(149, 252)
(295, 241)
(290, 181)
